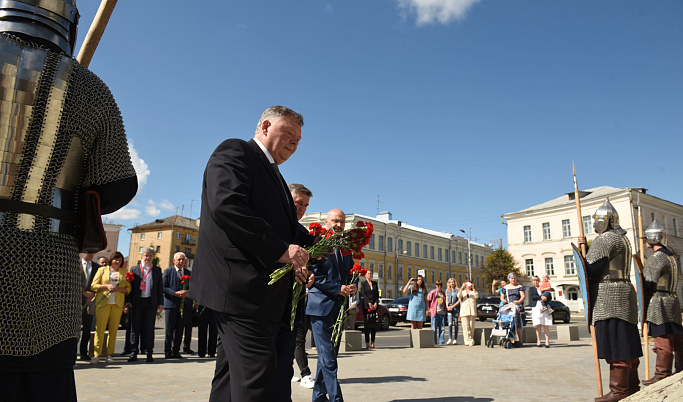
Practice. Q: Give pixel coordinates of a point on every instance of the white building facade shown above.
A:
(540, 237)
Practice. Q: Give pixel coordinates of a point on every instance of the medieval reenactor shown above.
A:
(664, 308)
(61, 137)
(615, 309)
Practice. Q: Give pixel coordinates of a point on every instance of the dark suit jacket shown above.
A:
(368, 296)
(329, 278)
(248, 221)
(93, 270)
(172, 284)
(157, 283)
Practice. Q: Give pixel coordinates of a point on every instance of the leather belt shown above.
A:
(63, 221)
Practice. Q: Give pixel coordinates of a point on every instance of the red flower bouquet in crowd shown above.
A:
(348, 242)
(184, 280)
(129, 277)
(343, 315)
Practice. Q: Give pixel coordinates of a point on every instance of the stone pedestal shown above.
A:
(351, 341)
(529, 334)
(482, 335)
(422, 338)
(567, 333)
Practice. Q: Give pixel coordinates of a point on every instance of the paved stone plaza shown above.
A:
(392, 372)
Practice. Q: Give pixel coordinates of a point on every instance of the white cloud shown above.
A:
(166, 204)
(141, 168)
(151, 209)
(123, 214)
(328, 8)
(437, 11)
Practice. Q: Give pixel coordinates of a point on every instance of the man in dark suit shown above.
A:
(177, 307)
(89, 270)
(325, 299)
(146, 301)
(249, 229)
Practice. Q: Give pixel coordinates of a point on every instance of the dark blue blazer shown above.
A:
(171, 285)
(329, 278)
(134, 296)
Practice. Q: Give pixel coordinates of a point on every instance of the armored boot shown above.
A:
(662, 367)
(619, 378)
(633, 381)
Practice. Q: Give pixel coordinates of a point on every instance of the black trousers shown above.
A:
(246, 361)
(85, 332)
(175, 325)
(187, 338)
(207, 324)
(142, 326)
(300, 346)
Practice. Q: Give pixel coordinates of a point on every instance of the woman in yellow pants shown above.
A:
(109, 310)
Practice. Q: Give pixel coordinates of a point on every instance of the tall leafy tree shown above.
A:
(499, 265)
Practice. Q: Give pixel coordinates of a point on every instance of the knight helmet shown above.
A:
(655, 234)
(52, 20)
(605, 217)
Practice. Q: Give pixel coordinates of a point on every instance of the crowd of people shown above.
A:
(143, 293)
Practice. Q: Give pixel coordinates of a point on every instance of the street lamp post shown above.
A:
(469, 255)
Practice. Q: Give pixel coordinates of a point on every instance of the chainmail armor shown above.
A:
(613, 298)
(662, 269)
(69, 128)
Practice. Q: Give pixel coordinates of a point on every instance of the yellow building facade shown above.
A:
(166, 236)
(398, 251)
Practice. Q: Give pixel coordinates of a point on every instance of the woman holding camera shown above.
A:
(468, 311)
(417, 310)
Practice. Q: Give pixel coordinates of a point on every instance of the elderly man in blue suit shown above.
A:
(325, 298)
(176, 311)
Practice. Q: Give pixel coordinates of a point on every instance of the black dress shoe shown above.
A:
(168, 356)
(149, 358)
(125, 353)
(188, 351)
(176, 355)
(133, 358)
(85, 358)
(201, 355)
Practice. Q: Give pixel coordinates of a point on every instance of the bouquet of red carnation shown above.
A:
(348, 242)
(343, 315)
(129, 277)
(184, 280)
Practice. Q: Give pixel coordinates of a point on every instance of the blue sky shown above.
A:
(452, 112)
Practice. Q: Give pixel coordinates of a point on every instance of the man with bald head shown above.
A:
(325, 299)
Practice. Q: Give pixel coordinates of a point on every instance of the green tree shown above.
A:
(499, 265)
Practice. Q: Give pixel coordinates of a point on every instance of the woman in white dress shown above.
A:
(539, 318)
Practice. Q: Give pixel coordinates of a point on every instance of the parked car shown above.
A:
(487, 307)
(383, 316)
(560, 312)
(385, 301)
(398, 310)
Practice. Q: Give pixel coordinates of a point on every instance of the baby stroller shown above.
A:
(506, 326)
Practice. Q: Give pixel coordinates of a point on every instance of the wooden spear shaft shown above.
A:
(598, 373)
(92, 39)
(646, 340)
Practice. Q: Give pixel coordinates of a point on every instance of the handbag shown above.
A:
(371, 318)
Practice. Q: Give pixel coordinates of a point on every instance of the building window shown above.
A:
(399, 246)
(527, 234)
(546, 231)
(177, 235)
(460, 257)
(446, 255)
(431, 252)
(372, 242)
(453, 256)
(390, 272)
(362, 264)
(188, 237)
(142, 236)
(158, 248)
(477, 282)
(177, 249)
(440, 254)
(417, 249)
(372, 266)
(410, 271)
(569, 267)
(390, 244)
(652, 215)
(141, 250)
(586, 224)
(433, 274)
(381, 243)
(441, 277)
(399, 272)
(529, 265)
(549, 266)
(467, 260)
(676, 228)
(409, 248)
(158, 235)
(187, 251)
(460, 278)
(381, 270)
(476, 259)
(389, 294)
(424, 251)
(566, 228)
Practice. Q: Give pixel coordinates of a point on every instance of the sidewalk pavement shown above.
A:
(458, 373)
